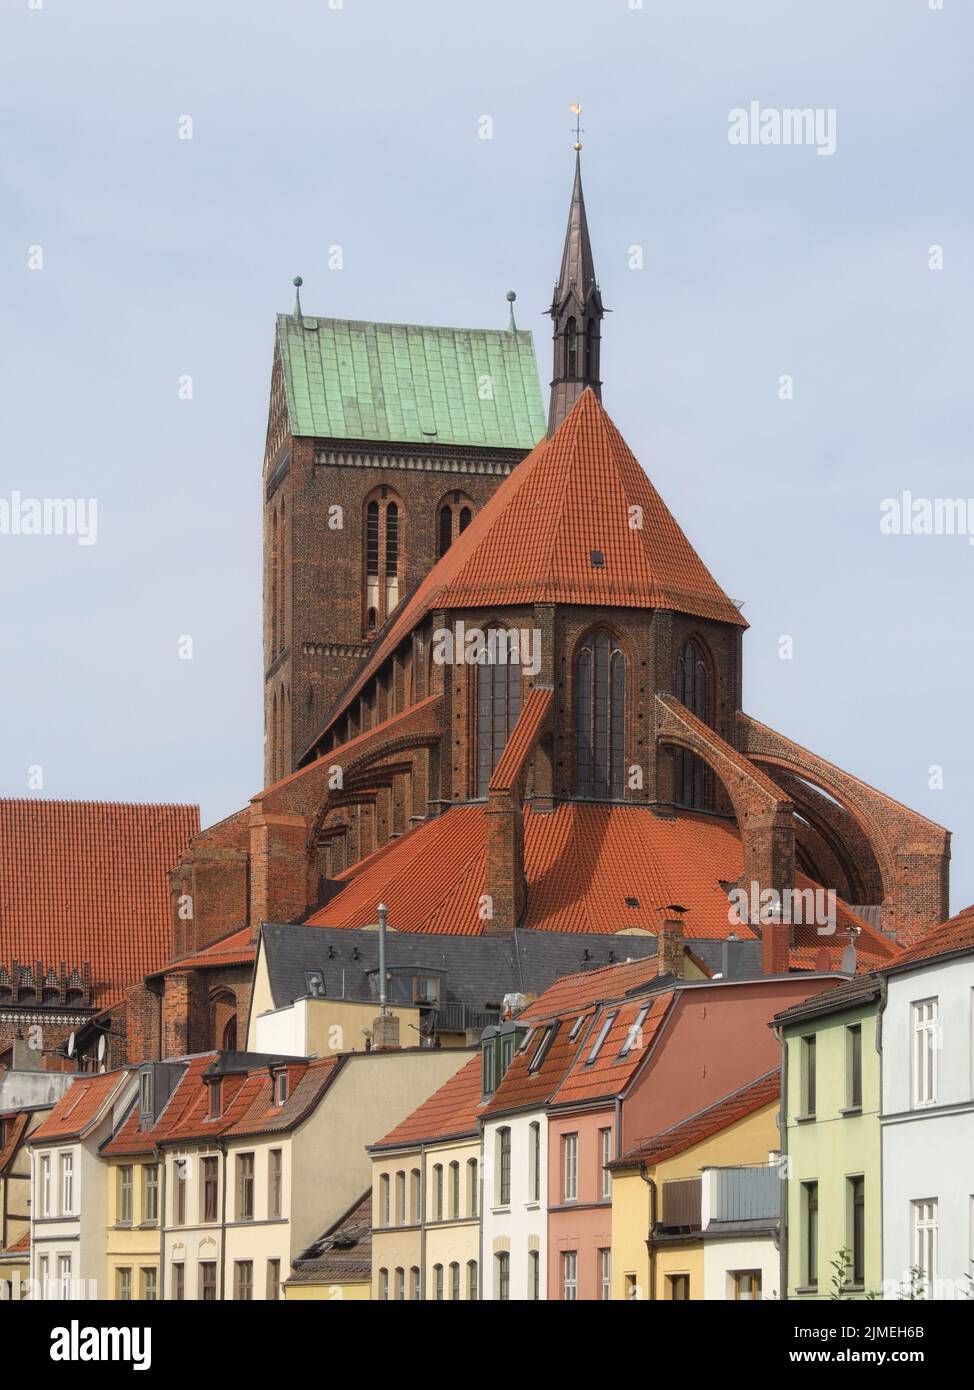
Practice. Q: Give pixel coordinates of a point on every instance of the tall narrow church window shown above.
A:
(600, 718)
(591, 366)
(498, 708)
(446, 531)
(281, 581)
(383, 543)
(453, 516)
(693, 779)
(572, 349)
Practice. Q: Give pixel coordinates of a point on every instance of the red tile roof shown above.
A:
(526, 1086)
(82, 1106)
(956, 934)
(623, 1050)
(235, 949)
(765, 1090)
(582, 862)
(449, 1113)
(578, 492)
(88, 881)
(522, 738)
(247, 1105)
(573, 994)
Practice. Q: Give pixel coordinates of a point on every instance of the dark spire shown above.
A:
(576, 310)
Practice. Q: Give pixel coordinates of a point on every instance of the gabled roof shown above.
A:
(20, 1246)
(82, 1106)
(247, 1103)
(343, 1254)
(449, 1113)
(627, 1039)
(403, 382)
(953, 937)
(580, 492)
(727, 1111)
(848, 994)
(88, 881)
(529, 1082)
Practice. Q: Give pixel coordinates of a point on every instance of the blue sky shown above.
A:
(358, 126)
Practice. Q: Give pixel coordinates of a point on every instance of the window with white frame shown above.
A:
(534, 1161)
(401, 1198)
(64, 1276)
(503, 1189)
(925, 1241)
(605, 1150)
(605, 1274)
(926, 1048)
(569, 1275)
(67, 1184)
(384, 1203)
(569, 1167)
(46, 1185)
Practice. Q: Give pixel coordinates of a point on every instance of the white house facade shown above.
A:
(515, 1214)
(927, 1128)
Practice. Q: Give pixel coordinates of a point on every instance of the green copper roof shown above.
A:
(409, 384)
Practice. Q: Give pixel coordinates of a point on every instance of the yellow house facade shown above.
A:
(426, 1198)
(134, 1189)
(672, 1196)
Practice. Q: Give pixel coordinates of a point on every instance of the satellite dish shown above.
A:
(71, 1045)
(848, 963)
(102, 1046)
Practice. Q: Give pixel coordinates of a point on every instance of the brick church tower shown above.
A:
(383, 442)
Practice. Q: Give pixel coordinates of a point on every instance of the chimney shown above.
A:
(775, 945)
(385, 1028)
(670, 942)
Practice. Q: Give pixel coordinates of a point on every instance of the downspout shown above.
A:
(161, 1160)
(650, 1241)
(881, 1009)
(783, 1199)
(221, 1146)
(480, 1215)
(422, 1221)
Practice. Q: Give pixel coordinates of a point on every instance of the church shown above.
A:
(583, 772)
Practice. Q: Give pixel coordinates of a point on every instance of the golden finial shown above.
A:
(576, 111)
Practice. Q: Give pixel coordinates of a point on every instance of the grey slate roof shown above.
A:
(476, 970)
(861, 989)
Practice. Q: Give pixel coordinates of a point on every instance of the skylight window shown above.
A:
(634, 1037)
(603, 1034)
(576, 1028)
(543, 1046)
(527, 1040)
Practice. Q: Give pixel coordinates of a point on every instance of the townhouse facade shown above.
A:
(69, 1185)
(927, 1118)
(426, 1198)
(830, 1112)
(695, 1209)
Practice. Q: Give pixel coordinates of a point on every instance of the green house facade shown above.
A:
(832, 1237)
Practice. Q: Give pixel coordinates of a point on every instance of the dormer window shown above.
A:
(216, 1098)
(603, 1033)
(145, 1094)
(280, 1087)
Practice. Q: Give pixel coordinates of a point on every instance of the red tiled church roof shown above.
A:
(449, 1113)
(582, 862)
(579, 492)
(88, 881)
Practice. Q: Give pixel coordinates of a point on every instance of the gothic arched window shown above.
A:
(694, 781)
(591, 366)
(383, 542)
(600, 717)
(498, 705)
(571, 361)
(453, 516)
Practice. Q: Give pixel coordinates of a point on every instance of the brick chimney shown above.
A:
(670, 942)
(775, 945)
(385, 1033)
